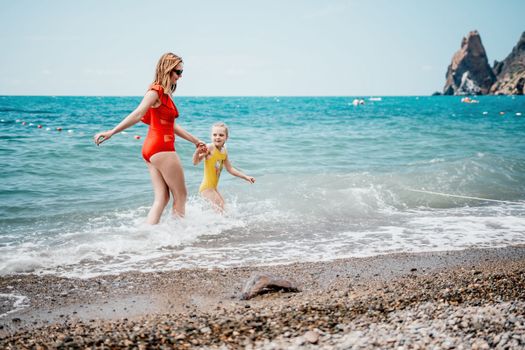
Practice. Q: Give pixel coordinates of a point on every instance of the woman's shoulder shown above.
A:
(156, 87)
(164, 97)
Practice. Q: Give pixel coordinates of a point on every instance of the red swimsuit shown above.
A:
(161, 137)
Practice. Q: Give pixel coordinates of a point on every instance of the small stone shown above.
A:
(480, 344)
(311, 337)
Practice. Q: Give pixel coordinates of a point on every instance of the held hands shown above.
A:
(202, 149)
(102, 136)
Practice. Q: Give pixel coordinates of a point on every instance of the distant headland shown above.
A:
(469, 73)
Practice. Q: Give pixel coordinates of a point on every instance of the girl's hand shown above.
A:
(102, 136)
(250, 179)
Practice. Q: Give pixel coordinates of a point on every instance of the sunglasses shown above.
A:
(178, 71)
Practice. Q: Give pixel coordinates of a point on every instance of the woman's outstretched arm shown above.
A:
(133, 118)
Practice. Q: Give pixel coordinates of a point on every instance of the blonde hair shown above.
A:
(220, 125)
(165, 66)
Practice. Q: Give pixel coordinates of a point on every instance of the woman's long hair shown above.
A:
(166, 65)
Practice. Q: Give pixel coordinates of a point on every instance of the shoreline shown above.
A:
(202, 307)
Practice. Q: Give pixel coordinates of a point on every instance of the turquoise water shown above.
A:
(333, 180)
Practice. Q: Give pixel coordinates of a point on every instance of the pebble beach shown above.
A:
(466, 299)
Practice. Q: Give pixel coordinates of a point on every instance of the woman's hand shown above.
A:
(102, 136)
(250, 179)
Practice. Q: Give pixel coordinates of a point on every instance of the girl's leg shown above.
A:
(222, 199)
(162, 196)
(215, 198)
(169, 166)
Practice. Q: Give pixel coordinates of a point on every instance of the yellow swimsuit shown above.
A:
(212, 169)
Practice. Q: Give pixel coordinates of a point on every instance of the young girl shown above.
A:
(215, 156)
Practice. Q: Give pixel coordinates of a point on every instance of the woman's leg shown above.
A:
(162, 196)
(168, 164)
(215, 198)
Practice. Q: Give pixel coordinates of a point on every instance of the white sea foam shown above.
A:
(282, 219)
(15, 301)
(205, 240)
(120, 241)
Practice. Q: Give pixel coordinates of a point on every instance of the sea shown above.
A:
(334, 179)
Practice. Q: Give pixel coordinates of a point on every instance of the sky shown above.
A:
(245, 47)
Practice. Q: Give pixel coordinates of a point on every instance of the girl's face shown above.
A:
(218, 136)
(176, 73)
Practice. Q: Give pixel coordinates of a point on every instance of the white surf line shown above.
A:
(464, 197)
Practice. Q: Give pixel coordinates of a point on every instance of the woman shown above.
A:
(158, 110)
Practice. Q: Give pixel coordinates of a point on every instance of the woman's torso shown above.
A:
(161, 122)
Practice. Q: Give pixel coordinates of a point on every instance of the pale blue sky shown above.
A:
(230, 47)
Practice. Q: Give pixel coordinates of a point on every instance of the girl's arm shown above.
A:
(179, 131)
(133, 118)
(237, 173)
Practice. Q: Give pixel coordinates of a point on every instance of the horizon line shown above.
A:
(270, 96)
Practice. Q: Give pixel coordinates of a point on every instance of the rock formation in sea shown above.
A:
(470, 72)
(510, 72)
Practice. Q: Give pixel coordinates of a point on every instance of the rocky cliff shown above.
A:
(470, 72)
(510, 72)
